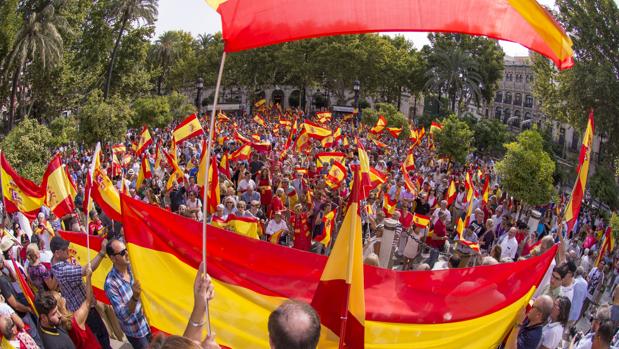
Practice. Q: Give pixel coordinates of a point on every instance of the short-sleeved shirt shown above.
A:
(69, 277)
(38, 274)
(529, 337)
(119, 292)
(551, 335)
(56, 338)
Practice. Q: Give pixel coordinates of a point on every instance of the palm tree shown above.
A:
(129, 11)
(455, 74)
(165, 51)
(38, 40)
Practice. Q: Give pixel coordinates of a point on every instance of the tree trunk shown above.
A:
(12, 106)
(110, 67)
(159, 83)
(453, 103)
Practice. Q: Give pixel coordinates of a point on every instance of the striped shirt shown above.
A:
(69, 278)
(119, 292)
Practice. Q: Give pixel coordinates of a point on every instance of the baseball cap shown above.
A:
(58, 243)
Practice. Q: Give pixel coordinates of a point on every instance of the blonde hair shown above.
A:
(31, 253)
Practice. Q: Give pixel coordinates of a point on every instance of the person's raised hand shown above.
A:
(209, 342)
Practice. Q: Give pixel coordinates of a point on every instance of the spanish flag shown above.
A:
(221, 117)
(239, 137)
(389, 205)
(394, 131)
(246, 226)
(177, 173)
(58, 195)
(20, 194)
(348, 117)
(414, 136)
(421, 220)
(189, 128)
(328, 221)
(607, 246)
(224, 165)
(119, 148)
(409, 162)
(303, 141)
(379, 143)
(411, 187)
(339, 298)
(23, 284)
(274, 239)
(165, 252)
(522, 21)
(336, 175)
(323, 115)
(327, 142)
(259, 120)
(485, 191)
(260, 103)
(326, 157)
(145, 172)
(337, 134)
(452, 193)
(315, 131)
(87, 205)
(241, 154)
(106, 195)
(285, 123)
(213, 192)
(435, 127)
(377, 178)
(144, 141)
(381, 123)
(573, 206)
(364, 169)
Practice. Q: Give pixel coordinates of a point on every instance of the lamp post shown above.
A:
(199, 87)
(357, 87)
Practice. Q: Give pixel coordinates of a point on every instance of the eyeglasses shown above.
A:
(556, 277)
(121, 253)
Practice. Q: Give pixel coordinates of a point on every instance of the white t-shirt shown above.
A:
(273, 226)
(244, 184)
(509, 247)
(567, 291)
(551, 335)
(6, 310)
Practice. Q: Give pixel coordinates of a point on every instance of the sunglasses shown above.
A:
(121, 253)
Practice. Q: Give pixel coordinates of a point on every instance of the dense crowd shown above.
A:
(286, 190)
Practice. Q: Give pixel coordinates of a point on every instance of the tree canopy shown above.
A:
(455, 140)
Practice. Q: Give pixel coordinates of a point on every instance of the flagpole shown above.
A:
(209, 148)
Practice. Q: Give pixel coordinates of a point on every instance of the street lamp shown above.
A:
(199, 87)
(357, 87)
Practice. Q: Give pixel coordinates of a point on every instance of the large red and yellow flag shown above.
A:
(409, 162)
(20, 194)
(241, 154)
(607, 246)
(376, 177)
(435, 127)
(339, 298)
(214, 192)
(324, 158)
(394, 131)
(523, 21)
(106, 195)
(246, 226)
(573, 206)
(402, 309)
(144, 141)
(389, 205)
(315, 131)
(380, 125)
(144, 173)
(259, 120)
(58, 195)
(189, 128)
(364, 170)
(337, 174)
(95, 163)
(328, 221)
(452, 193)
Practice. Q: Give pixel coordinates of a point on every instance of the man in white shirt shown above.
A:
(443, 209)
(246, 182)
(509, 244)
(276, 224)
(567, 283)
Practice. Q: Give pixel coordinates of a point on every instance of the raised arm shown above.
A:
(202, 293)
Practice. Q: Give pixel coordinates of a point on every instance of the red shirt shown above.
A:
(302, 237)
(406, 219)
(83, 338)
(440, 230)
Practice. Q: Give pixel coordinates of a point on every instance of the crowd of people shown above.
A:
(285, 190)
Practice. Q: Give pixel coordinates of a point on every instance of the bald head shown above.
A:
(294, 325)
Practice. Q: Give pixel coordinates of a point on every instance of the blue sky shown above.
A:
(196, 17)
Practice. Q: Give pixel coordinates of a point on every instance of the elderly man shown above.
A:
(527, 331)
(509, 244)
(69, 277)
(601, 316)
(275, 225)
(294, 325)
(443, 208)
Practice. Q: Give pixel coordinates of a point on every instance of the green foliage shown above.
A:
(455, 140)
(27, 148)
(392, 115)
(152, 111)
(526, 170)
(614, 223)
(490, 135)
(604, 187)
(64, 130)
(104, 121)
(180, 106)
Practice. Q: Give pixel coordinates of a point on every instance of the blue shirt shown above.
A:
(530, 337)
(119, 292)
(69, 278)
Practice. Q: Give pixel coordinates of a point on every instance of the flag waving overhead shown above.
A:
(381, 123)
(315, 131)
(607, 246)
(339, 298)
(144, 141)
(58, 195)
(94, 164)
(522, 21)
(189, 128)
(20, 194)
(573, 206)
(402, 309)
(325, 158)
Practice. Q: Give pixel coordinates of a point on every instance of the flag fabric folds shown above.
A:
(328, 221)
(521, 21)
(189, 128)
(246, 226)
(337, 174)
(241, 154)
(105, 194)
(452, 193)
(420, 220)
(435, 127)
(144, 141)
(259, 120)
(607, 246)
(87, 205)
(402, 309)
(144, 173)
(380, 125)
(315, 131)
(23, 284)
(364, 169)
(213, 192)
(58, 195)
(339, 297)
(394, 131)
(326, 157)
(376, 177)
(573, 206)
(20, 194)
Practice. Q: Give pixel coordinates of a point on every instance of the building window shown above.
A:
(507, 113)
(508, 98)
(527, 116)
(499, 97)
(497, 113)
(518, 77)
(517, 114)
(518, 99)
(528, 101)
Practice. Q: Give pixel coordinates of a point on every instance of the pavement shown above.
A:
(120, 345)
